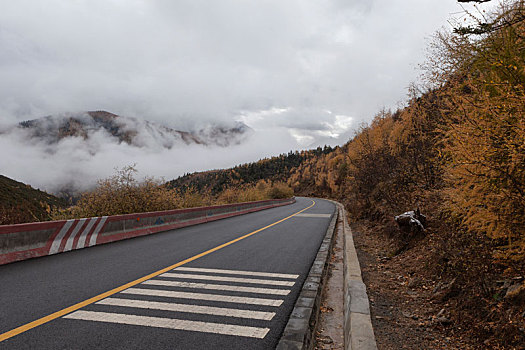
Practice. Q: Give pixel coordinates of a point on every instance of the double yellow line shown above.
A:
(67, 310)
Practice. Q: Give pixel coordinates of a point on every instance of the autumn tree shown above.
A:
(485, 134)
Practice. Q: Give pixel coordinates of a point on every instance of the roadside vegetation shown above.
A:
(123, 193)
(457, 152)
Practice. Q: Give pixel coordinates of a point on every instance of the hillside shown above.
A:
(272, 169)
(456, 152)
(21, 203)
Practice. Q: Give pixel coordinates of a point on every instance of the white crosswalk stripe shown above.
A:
(237, 272)
(217, 287)
(197, 309)
(161, 322)
(123, 307)
(202, 296)
(227, 279)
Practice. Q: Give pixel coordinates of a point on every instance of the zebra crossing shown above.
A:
(195, 295)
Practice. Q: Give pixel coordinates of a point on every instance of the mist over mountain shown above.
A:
(132, 131)
(69, 152)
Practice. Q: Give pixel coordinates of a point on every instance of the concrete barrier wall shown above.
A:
(357, 324)
(25, 241)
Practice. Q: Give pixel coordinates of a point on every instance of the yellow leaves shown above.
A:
(485, 154)
(335, 161)
(260, 191)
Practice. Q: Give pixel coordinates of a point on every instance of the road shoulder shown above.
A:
(300, 329)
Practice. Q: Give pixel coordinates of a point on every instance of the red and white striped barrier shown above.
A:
(25, 241)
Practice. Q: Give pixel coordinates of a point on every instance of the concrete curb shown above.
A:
(358, 330)
(31, 240)
(300, 329)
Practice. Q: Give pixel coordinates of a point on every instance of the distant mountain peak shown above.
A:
(139, 133)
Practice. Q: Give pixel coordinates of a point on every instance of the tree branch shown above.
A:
(477, 1)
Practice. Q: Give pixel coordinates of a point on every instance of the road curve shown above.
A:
(228, 284)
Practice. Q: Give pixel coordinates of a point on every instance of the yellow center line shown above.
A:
(67, 310)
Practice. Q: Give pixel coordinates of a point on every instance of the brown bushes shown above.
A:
(261, 191)
(122, 193)
(279, 190)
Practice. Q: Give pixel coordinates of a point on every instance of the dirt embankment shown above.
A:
(440, 290)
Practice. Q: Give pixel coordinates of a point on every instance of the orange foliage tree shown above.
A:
(485, 133)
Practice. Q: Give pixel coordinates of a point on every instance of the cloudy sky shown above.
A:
(300, 73)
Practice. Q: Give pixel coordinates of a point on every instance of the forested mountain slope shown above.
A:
(269, 169)
(22, 203)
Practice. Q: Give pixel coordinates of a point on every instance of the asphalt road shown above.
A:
(237, 297)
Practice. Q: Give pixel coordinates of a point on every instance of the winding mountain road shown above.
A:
(227, 284)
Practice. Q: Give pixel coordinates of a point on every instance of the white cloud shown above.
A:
(277, 65)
